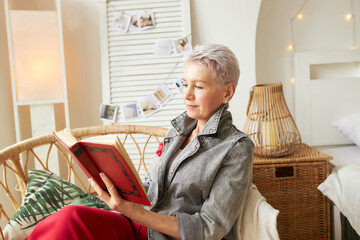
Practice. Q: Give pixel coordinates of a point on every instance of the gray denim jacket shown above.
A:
(207, 187)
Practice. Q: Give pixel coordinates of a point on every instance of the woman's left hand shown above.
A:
(112, 198)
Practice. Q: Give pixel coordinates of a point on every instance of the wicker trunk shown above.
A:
(290, 184)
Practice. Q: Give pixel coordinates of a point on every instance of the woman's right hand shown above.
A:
(112, 198)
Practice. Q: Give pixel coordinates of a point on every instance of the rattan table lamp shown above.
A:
(269, 123)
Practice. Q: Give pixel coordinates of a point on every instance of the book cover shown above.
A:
(106, 154)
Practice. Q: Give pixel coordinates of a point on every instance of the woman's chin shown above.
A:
(191, 114)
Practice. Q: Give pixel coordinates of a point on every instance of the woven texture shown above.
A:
(139, 137)
(290, 184)
(269, 123)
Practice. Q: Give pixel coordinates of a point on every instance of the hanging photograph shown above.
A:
(163, 46)
(147, 105)
(134, 24)
(179, 84)
(108, 112)
(129, 111)
(163, 94)
(121, 22)
(182, 45)
(146, 20)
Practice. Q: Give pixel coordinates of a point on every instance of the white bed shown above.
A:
(327, 89)
(343, 156)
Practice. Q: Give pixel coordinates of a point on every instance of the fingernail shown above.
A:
(101, 175)
(90, 180)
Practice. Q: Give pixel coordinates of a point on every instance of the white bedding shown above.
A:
(343, 184)
(343, 155)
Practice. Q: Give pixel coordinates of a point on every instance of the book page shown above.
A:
(121, 149)
(66, 137)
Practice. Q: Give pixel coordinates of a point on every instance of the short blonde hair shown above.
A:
(220, 60)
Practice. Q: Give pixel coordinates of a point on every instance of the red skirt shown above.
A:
(79, 222)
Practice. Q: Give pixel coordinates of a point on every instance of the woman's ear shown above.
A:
(229, 90)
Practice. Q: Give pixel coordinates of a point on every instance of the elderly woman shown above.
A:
(198, 187)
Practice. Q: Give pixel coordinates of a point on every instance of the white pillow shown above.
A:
(350, 127)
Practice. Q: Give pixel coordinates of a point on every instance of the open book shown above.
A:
(106, 154)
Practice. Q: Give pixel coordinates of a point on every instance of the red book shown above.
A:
(106, 154)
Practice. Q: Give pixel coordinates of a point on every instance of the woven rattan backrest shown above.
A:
(11, 165)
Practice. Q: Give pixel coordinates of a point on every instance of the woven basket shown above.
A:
(290, 184)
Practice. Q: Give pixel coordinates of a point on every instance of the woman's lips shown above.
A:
(190, 106)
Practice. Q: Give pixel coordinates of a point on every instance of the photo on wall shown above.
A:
(134, 24)
(108, 112)
(129, 111)
(146, 20)
(162, 94)
(182, 45)
(147, 105)
(163, 46)
(179, 84)
(121, 22)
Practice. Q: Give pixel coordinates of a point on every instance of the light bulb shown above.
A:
(349, 16)
(291, 47)
(292, 80)
(300, 16)
(353, 47)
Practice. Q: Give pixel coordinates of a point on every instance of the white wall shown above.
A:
(232, 23)
(323, 27)
(82, 60)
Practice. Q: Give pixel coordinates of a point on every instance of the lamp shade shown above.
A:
(269, 123)
(36, 55)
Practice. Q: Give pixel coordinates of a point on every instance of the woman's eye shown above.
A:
(199, 87)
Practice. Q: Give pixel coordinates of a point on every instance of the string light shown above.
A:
(299, 16)
(349, 17)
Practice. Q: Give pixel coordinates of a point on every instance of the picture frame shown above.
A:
(178, 83)
(108, 112)
(146, 20)
(162, 94)
(129, 111)
(148, 105)
(134, 23)
(121, 22)
(182, 45)
(163, 46)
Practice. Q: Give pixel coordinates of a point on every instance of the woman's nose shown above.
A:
(187, 93)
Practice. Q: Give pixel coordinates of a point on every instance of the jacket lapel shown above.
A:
(183, 126)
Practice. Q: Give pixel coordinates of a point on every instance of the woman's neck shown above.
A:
(191, 136)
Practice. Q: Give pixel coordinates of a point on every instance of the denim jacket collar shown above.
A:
(184, 125)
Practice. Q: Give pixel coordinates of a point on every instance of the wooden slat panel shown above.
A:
(134, 71)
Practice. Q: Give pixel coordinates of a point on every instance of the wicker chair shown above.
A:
(139, 137)
(18, 158)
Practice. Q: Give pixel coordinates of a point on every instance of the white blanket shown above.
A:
(342, 187)
(258, 220)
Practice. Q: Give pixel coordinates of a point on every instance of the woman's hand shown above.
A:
(162, 223)
(112, 198)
